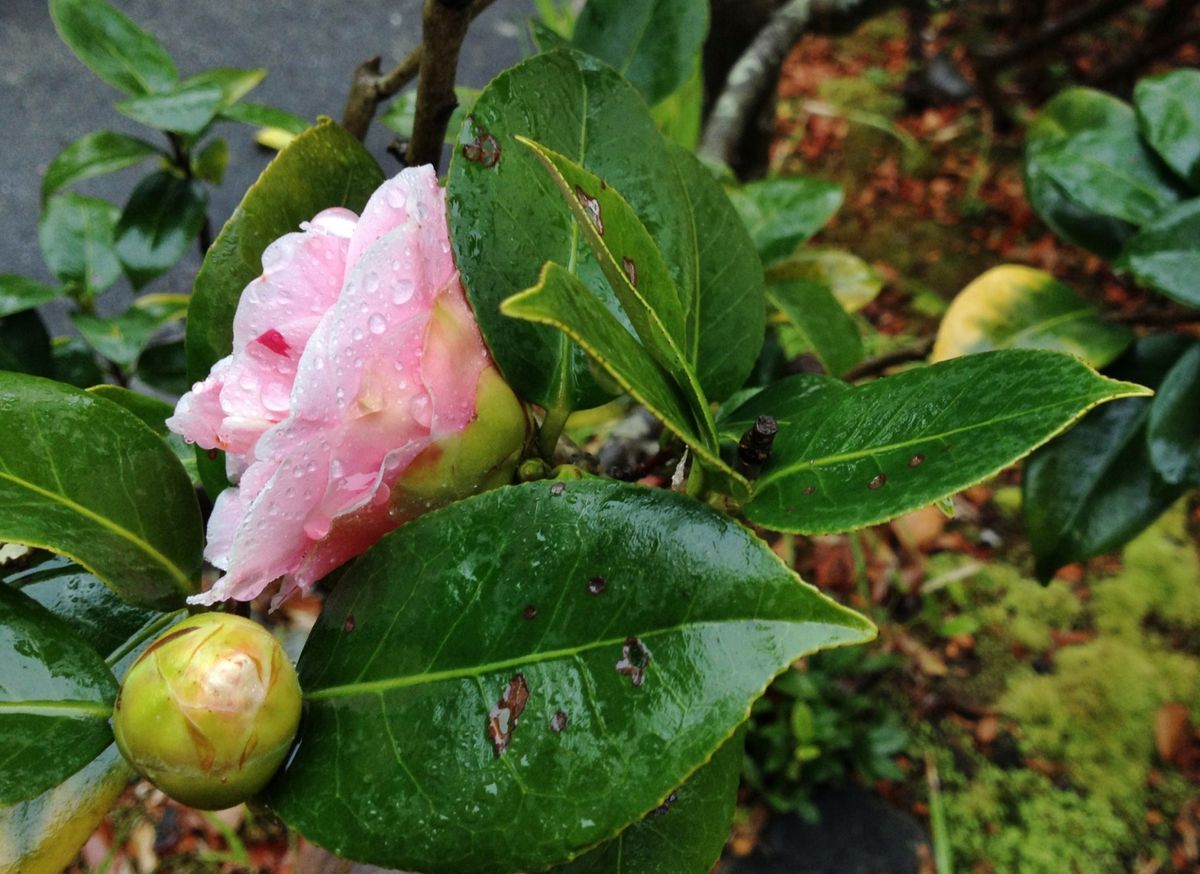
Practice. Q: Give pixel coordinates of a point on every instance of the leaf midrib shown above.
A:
(869, 451)
(371, 687)
(124, 533)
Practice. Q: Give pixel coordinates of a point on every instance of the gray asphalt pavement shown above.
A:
(310, 48)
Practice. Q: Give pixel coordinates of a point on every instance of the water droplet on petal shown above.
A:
(402, 291)
(377, 323)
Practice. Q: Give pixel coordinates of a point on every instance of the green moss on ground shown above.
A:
(1089, 723)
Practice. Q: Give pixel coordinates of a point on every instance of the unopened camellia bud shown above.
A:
(208, 712)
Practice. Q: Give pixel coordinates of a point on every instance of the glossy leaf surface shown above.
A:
(77, 236)
(683, 836)
(1089, 146)
(786, 401)
(653, 44)
(56, 695)
(727, 315)
(780, 214)
(323, 167)
(824, 326)
(410, 756)
(43, 835)
(1017, 307)
(75, 362)
(261, 115)
(154, 414)
(1094, 488)
(84, 478)
(161, 220)
(1173, 428)
(92, 155)
(1165, 255)
(185, 110)
(861, 457)
(851, 279)
(499, 190)
(561, 300)
(113, 47)
(91, 609)
(1073, 111)
(1168, 110)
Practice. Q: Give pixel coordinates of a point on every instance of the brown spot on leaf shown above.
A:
(348, 625)
(484, 150)
(213, 453)
(597, 585)
(502, 720)
(635, 658)
(630, 270)
(592, 207)
(558, 722)
(530, 612)
(808, 490)
(878, 482)
(557, 489)
(917, 460)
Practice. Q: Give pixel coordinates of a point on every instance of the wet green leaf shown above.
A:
(683, 836)
(234, 82)
(438, 669)
(727, 316)
(43, 835)
(154, 413)
(25, 345)
(56, 696)
(1173, 428)
(851, 279)
(1094, 488)
(322, 167)
(95, 154)
(860, 457)
(1016, 307)
(786, 401)
(122, 338)
(1165, 254)
(783, 213)
(561, 300)
(824, 326)
(90, 608)
(499, 191)
(653, 44)
(163, 217)
(17, 294)
(113, 47)
(679, 116)
(77, 236)
(1074, 111)
(186, 110)
(84, 478)
(1168, 110)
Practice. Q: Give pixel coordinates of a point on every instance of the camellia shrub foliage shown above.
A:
(520, 663)
(1123, 182)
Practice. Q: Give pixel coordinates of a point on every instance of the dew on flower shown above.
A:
(377, 324)
(402, 291)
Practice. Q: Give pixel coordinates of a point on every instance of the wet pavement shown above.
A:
(310, 48)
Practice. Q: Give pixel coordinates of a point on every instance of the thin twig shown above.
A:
(880, 365)
(444, 28)
(371, 87)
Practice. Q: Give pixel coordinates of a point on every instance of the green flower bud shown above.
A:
(208, 712)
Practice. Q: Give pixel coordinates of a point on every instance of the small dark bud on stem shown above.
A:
(754, 449)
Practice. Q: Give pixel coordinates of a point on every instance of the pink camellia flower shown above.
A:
(359, 394)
